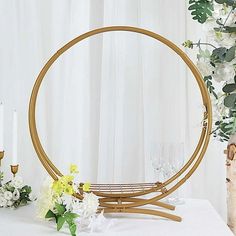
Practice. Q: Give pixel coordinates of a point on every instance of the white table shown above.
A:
(199, 219)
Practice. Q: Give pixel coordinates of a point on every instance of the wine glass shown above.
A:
(158, 158)
(176, 162)
(167, 161)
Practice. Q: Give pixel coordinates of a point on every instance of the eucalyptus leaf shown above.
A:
(229, 88)
(227, 2)
(230, 3)
(229, 101)
(218, 21)
(218, 55)
(230, 54)
(208, 83)
(226, 29)
(220, 1)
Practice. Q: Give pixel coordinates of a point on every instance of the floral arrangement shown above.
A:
(14, 193)
(58, 202)
(216, 59)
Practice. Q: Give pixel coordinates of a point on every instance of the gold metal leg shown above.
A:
(142, 211)
(156, 203)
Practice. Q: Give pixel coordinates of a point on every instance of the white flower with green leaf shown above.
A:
(216, 59)
(15, 195)
(7, 195)
(58, 202)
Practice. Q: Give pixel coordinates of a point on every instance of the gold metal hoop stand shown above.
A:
(126, 197)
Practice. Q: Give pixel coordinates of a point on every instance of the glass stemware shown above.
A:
(167, 161)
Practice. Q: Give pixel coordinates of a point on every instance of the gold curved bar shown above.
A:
(143, 211)
(189, 167)
(131, 199)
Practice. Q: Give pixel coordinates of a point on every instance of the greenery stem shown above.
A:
(207, 44)
(226, 19)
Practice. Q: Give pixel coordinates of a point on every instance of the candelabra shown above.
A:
(14, 168)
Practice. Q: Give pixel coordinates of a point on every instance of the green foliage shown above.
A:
(60, 222)
(200, 9)
(203, 54)
(231, 3)
(24, 196)
(62, 216)
(1, 177)
(226, 29)
(50, 214)
(188, 44)
(218, 55)
(210, 87)
(60, 208)
(225, 128)
(230, 54)
(230, 100)
(229, 88)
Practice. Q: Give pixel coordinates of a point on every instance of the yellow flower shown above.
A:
(69, 190)
(57, 187)
(218, 34)
(67, 179)
(86, 187)
(74, 169)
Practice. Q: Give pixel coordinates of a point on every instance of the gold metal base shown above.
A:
(1, 157)
(119, 206)
(14, 169)
(145, 211)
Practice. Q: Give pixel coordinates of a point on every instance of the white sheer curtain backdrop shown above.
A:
(96, 106)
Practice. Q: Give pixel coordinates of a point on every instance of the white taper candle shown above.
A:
(14, 141)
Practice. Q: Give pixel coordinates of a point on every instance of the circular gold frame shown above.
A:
(185, 172)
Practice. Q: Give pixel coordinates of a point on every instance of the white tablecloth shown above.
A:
(199, 219)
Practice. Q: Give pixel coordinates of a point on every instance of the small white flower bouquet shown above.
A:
(57, 202)
(14, 193)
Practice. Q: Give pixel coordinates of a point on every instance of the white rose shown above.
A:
(46, 199)
(8, 195)
(205, 68)
(16, 195)
(3, 202)
(224, 72)
(89, 205)
(9, 203)
(17, 182)
(1, 190)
